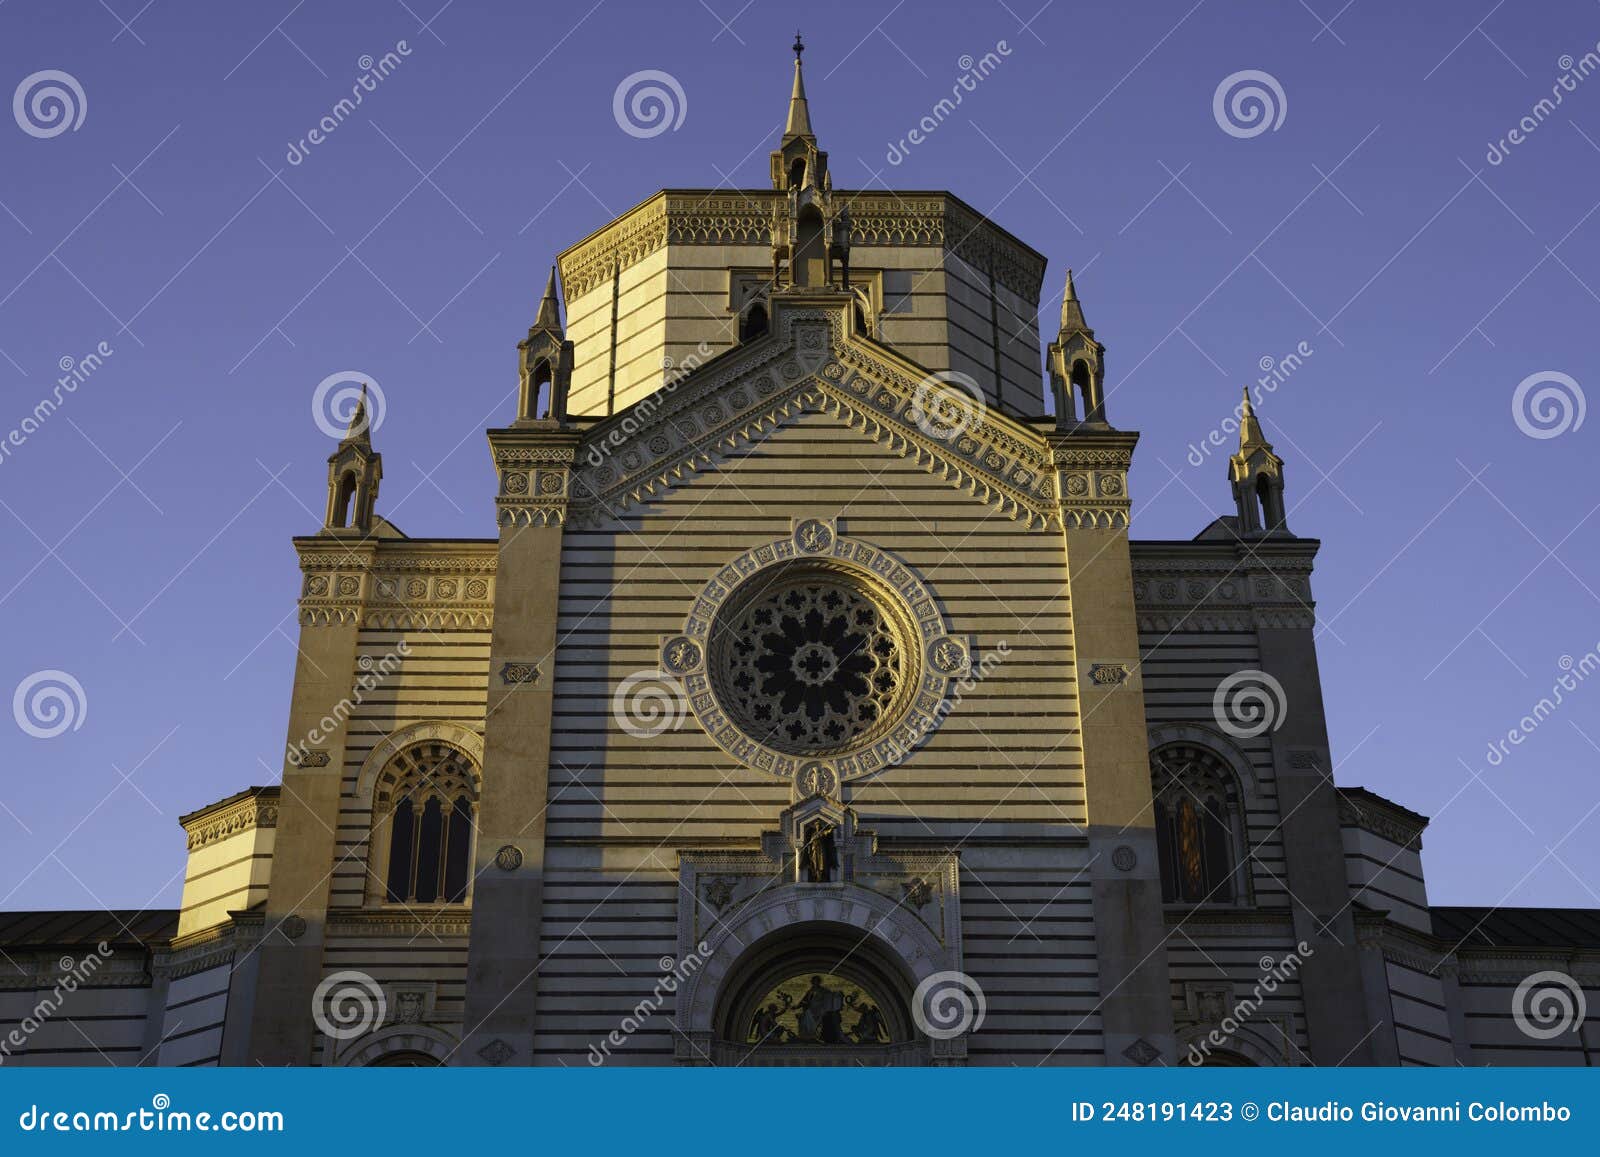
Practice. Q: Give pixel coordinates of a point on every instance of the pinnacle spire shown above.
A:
(549, 316)
(358, 430)
(1071, 309)
(1250, 435)
(799, 122)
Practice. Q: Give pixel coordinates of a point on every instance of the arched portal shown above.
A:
(789, 977)
(814, 994)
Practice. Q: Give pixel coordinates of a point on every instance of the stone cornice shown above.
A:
(256, 808)
(534, 464)
(398, 584)
(744, 217)
(1383, 818)
(1223, 585)
(451, 920)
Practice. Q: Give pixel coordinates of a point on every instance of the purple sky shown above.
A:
(147, 521)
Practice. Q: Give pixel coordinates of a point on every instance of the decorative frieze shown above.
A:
(257, 809)
(744, 217)
(397, 587)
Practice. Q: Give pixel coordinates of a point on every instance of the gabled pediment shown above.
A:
(812, 362)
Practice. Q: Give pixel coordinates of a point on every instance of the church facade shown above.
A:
(812, 704)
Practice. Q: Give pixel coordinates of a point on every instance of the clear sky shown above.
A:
(147, 520)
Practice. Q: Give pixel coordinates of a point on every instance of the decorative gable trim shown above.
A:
(810, 365)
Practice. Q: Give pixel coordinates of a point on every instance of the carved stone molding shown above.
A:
(535, 472)
(397, 586)
(744, 217)
(209, 825)
(811, 367)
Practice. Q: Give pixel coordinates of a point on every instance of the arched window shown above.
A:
(754, 322)
(1199, 832)
(797, 172)
(540, 387)
(424, 813)
(1080, 390)
(342, 497)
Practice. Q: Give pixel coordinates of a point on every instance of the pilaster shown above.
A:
(533, 462)
(336, 574)
(1130, 930)
(1333, 978)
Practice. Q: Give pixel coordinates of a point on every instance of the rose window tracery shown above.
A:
(810, 664)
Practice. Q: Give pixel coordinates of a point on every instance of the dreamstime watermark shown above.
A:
(1248, 103)
(638, 416)
(373, 673)
(1274, 372)
(334, 402)
(49, 103)
(1548, 404)
(74, 372)
(673, 974)
(1572, 72)
(1249, 703)
(73, 974)
(649, 703)
(348, 1004)
(1274, 972)
(1548, 1004)
(1575, 672)
(972, 72)
(648, 103)
(947, 1004)
(947, 404)
(373, 72)
(49, 703)
(923, 724)
(160, 1117)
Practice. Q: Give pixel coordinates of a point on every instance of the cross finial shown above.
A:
(799, 45)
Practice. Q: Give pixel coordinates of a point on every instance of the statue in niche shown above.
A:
(817, 854)
(821, 1014)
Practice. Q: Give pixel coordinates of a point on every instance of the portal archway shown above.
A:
(856, 942)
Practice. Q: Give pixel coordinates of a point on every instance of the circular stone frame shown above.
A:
(934, 658)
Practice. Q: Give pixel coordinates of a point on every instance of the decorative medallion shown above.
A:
(1124, 858)
(816, 645)
(292, 926)
(513, 674)
(310, 758)
(1108, 674)
(508, 858)
(349, 584)
(516, 483)
(816, 779)
(917, 892)
(496, 1052)
(477, 589)
(445, 588)
(720, 891)
(1141, 1052)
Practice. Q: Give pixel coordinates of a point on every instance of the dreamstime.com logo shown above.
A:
(49, 703)
(649, 103)
(1249, 703)
(49, 103)
(1248, 103)
(648, 703)
(947, 1004)
(947, 404)
(1548, 404)
(347, 1004)
(334, 402)
(1547, 1005)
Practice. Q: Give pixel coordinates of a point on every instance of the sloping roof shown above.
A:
(64, 929)
(1518, 927)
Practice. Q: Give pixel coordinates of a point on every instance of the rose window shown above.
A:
(808, 664)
